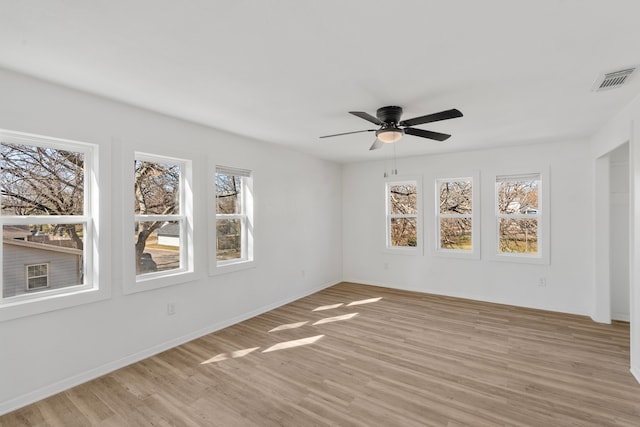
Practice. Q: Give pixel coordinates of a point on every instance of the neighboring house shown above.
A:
(515, 206)
(30, 266)
(169, 234)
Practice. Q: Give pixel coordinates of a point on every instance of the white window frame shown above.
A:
(474, 253)
(246, 259)
(185, 273)
(96, 283)
(406, 250)
(28, 278)
(542, 216)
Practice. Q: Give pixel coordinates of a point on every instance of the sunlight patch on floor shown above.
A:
(218, 358)
(299, 342)
(233, 355)
(242, 353)
(294, 343)
(335, 318)
(364, 301)
(327, 307)
(289, 326)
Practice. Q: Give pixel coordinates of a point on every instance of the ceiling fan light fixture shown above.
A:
(389, 135)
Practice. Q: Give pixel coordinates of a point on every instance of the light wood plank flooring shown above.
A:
(355, 355)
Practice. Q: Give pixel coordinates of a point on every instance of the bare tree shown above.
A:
(47, 181)
(455, 198)
(43, 181)
(227, 193)
(403, 199)
(228, 201)
(518, 197)
(156, 192)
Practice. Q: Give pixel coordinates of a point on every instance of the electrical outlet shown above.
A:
(303, 273)
(171, 309)
(386, 265)
(542, 282)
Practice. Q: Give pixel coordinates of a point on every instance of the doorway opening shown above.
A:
(619, 231)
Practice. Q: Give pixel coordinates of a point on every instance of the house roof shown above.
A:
(287, 72)
(42, 246)
(169, 229)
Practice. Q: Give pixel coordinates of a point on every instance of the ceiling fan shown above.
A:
(392, 128)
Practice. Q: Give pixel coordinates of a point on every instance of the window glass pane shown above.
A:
(455, 233)
(59, 245)
(518, 236)
(403, 199)
(228, 194)
(455, 197)
(37, 282)
(157, 245)
(36, 270)
(41, 181)
(228, 239)
(403, 232)
(517, 196)
(156, 188)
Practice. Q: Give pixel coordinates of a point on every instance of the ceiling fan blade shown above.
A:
(368, 117)
(348, 133)
(429, 118)
(376, 144)
(427, 134)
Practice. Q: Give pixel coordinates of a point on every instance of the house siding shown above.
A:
(169, 240)
(64, 268)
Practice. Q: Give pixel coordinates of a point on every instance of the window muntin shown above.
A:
(233, 219)
(454, 214)
(46, 217)
(518, 214)
(402, 214)
(160, 238)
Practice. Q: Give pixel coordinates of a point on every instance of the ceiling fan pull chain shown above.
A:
(395, 161)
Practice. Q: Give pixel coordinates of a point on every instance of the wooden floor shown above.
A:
(356, 355)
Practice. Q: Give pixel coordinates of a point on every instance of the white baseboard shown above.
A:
(67, 383)
(636, 373)
(567, 310)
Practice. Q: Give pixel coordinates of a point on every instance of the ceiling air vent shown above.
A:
(613, 79)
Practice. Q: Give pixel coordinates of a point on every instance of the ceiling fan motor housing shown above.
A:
(389, 114)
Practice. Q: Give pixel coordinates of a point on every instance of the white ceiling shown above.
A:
(288, 71)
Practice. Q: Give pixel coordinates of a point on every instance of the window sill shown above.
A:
(452, 253)
(415, 251)
(524, 259)
(32, 306)
(151, 282)
(216, 270)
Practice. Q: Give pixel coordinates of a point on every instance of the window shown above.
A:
(47, 219)
(455, 221)
(234, 219)
(37, 276)
(161, 237)
(518, 212)
(403, 223)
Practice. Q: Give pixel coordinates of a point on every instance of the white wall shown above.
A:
(297, 227)
(569, 274)
(625, 127)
